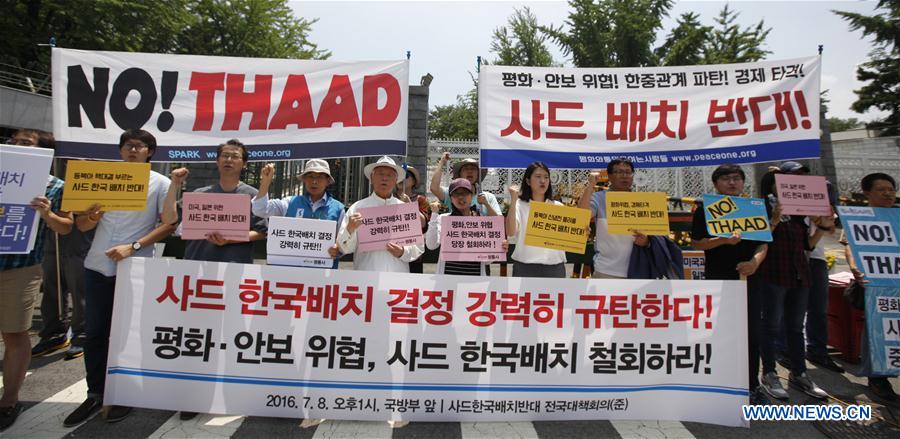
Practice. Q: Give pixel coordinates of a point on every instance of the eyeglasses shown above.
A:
(731, 178)
(623, 173)
(231, 157)
(135, 145)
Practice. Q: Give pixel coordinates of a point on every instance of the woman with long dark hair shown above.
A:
(530, 261)
(461, 192)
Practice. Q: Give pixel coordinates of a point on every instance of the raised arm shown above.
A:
(436, 175)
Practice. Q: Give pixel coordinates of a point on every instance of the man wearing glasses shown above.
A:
(120, 235)
(613, 252)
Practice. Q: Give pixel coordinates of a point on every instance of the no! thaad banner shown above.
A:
(658, 117)
(282, 109)
(311, 343)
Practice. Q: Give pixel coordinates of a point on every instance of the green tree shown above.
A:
(882, 70)
(621, 33)
(260, 28)
(614, 33)
(248, 28)
(728, 43)
(836, 124)
(521, 43)
(684, 44)
(455, 121)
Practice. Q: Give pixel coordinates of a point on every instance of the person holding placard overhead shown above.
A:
(531, 261)
(20, 280)
(314, 203)
(612, 252)
(784, 279)
(880, 190)
(732, 258)
(461, 193)
(120, 235)
(469, 169)
(231, 158)
(384, 176)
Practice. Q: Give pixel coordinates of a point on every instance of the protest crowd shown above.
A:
(786, 282)
(108, 216)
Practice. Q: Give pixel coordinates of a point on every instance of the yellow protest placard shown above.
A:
(646, 212)
(113, 185)
(557, 227)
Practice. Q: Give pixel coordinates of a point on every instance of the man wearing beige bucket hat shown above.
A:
(314, 203)
(384, 176)
(470, 170)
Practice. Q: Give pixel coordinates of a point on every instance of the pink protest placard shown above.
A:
(472, 238)
(205, 213)
(802, 195)
(397, 223)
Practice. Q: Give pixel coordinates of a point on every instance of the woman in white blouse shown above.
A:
(530, 261)
(461, 193)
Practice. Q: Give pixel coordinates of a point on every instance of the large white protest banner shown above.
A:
(656, 116)
(23, 176)
(307, 343)
(282, 109)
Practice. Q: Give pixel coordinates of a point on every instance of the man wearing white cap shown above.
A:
(315, 203)
(384, 176)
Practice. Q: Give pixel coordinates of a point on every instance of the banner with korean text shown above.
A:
(656, 116)
(23, 176)
(306, 343)
(282, 109)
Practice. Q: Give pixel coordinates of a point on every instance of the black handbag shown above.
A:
(855, 295)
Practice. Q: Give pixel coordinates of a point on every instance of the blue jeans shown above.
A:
(788, 304)
(99, 293)
(816, 313)
(817, 309)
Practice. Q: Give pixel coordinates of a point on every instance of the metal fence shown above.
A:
(569, 183)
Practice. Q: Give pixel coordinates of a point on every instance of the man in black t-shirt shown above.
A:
(734, 259)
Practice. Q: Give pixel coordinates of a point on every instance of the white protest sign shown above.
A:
(300, 242)
(669, 116)
(23, 176)
(293, 342)
(282, 109)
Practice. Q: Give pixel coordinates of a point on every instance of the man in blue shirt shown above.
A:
(315, 203)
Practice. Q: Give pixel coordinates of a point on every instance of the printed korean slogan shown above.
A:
(646, 212)
(728, 215)
(883, 326)
(226, 214)
(803, 195)
(557, 227)
(23, 176)
(114, 185)
(282, 109)
(656, 116)
(694, 262)
(300, 242)
(305, 343)
(397, 223)
(872, 234)
(472, 238)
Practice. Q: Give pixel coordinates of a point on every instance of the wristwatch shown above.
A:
(135, 246)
